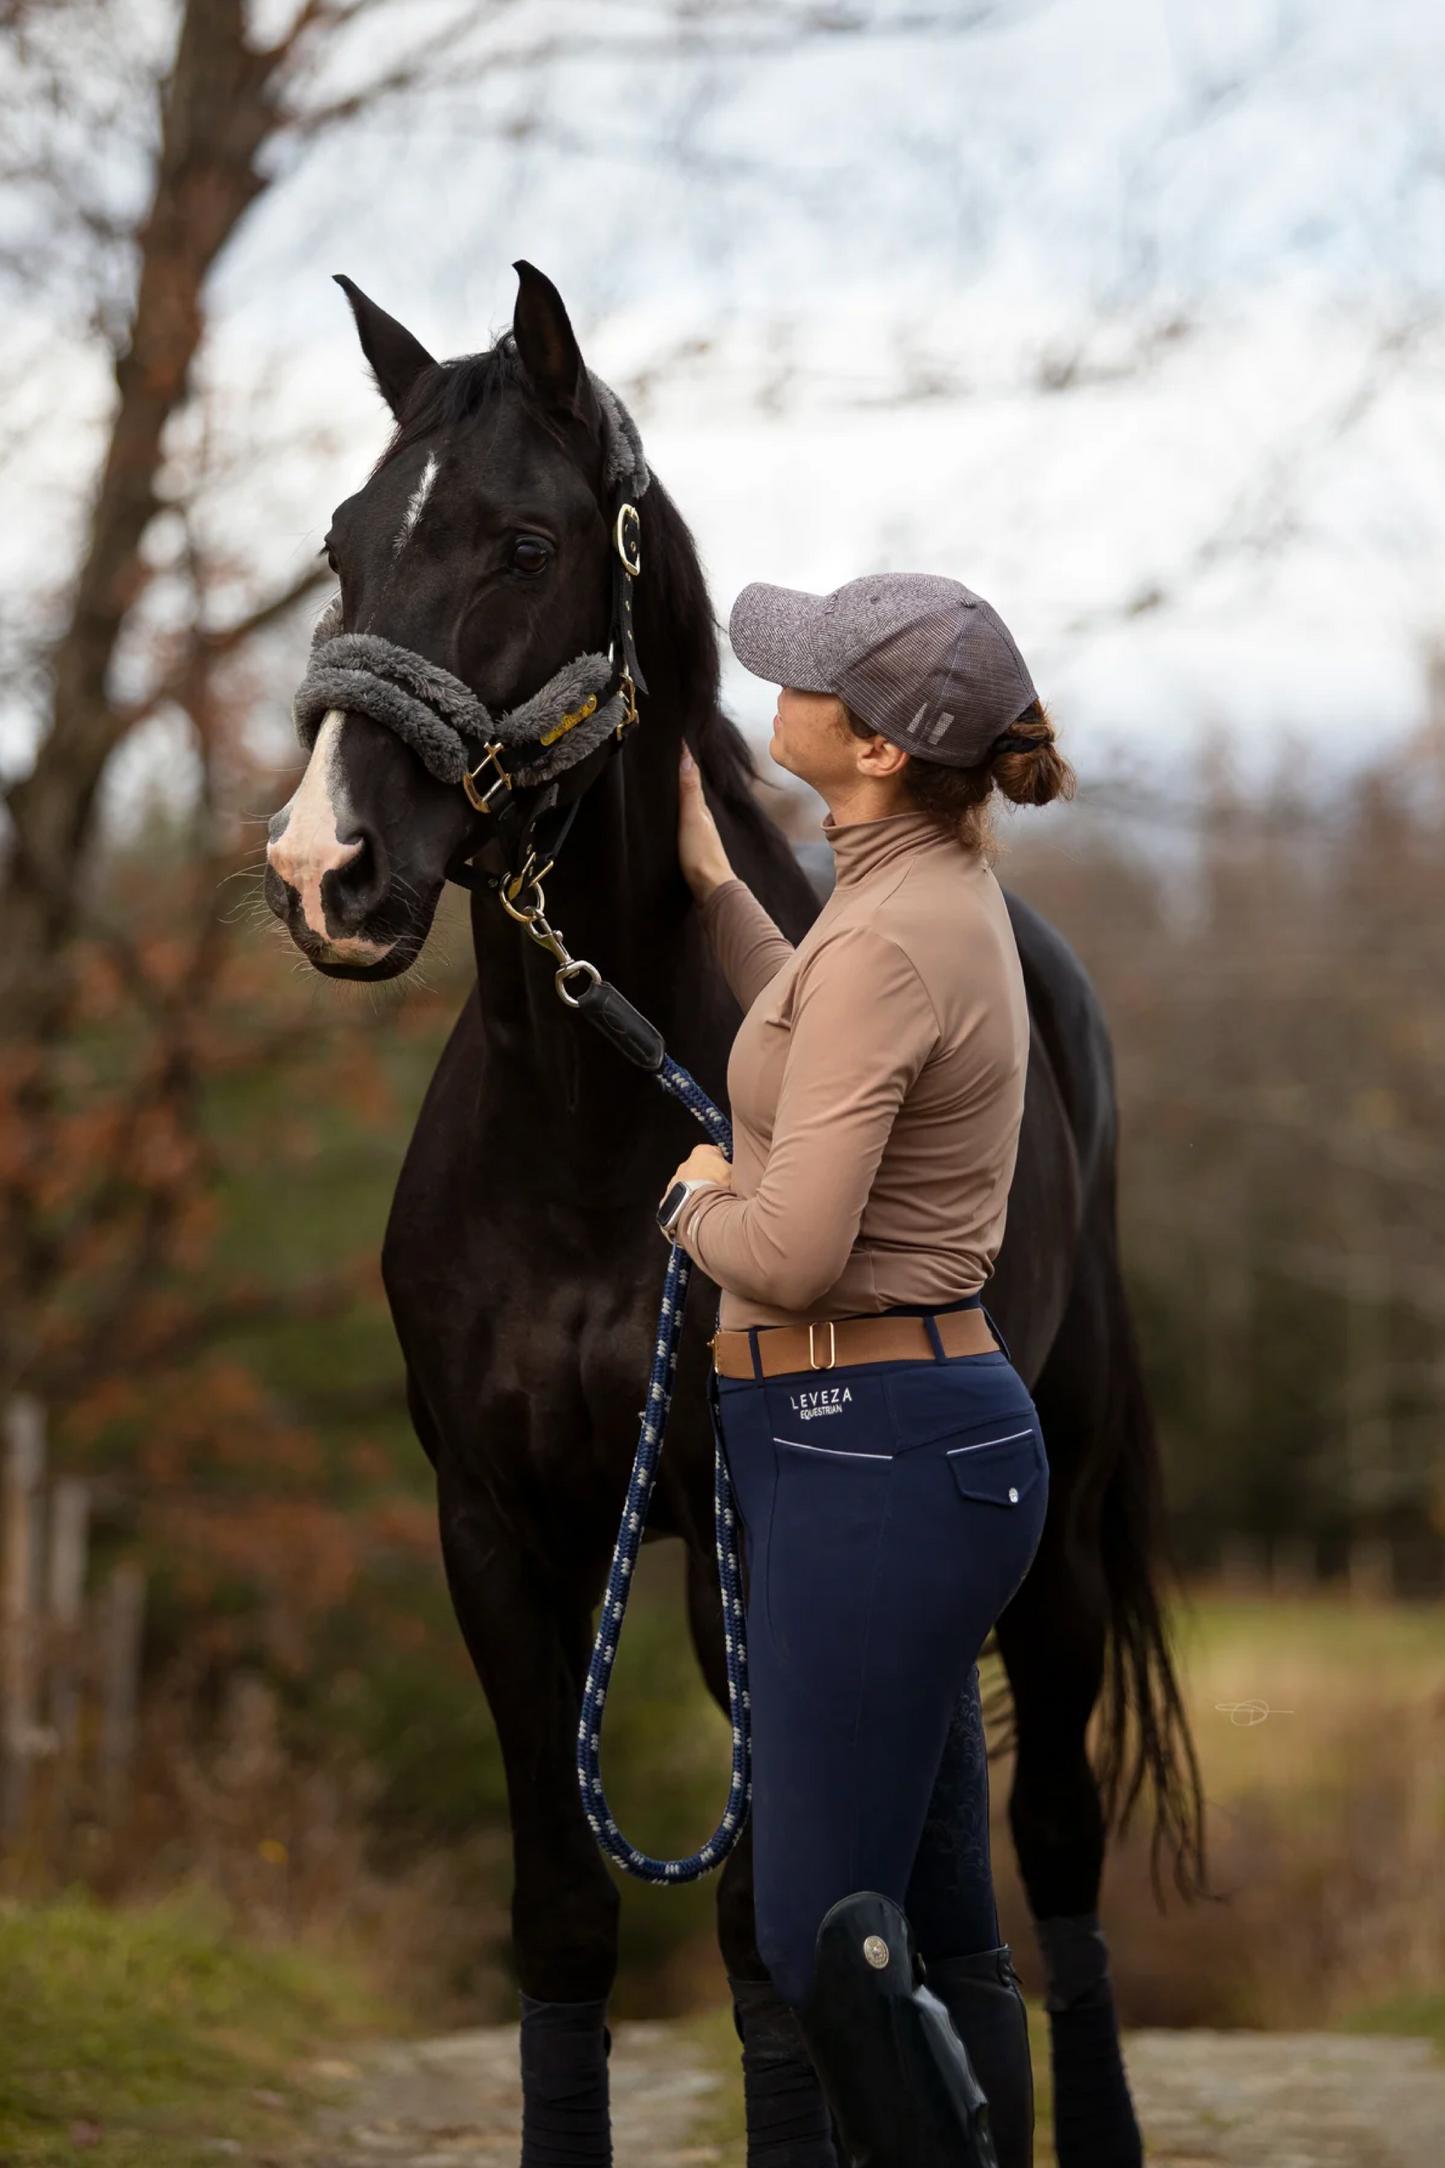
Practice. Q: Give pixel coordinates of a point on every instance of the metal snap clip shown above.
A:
(875, 1949)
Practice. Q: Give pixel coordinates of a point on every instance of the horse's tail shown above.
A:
(1143, 1741)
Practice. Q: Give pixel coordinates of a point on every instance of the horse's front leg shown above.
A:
(530, 1638)
(787, 2117)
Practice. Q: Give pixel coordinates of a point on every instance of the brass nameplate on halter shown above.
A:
(570, 722)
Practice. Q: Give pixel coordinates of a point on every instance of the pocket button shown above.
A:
(1013, 1497)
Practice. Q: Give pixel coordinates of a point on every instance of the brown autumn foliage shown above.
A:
(195, 1075)
(141, 1028)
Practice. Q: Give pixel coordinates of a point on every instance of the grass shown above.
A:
(1420, 2016)
(1315, 1662)
(1326, 1821)
(156, 2037)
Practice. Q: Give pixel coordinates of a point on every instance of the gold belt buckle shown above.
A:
(813, 1362)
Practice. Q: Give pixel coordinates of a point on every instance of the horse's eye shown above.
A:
(330, 555)
(530, 556)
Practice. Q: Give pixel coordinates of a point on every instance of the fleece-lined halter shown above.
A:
(583, 709)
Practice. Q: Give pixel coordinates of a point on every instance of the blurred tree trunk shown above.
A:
(105, 1162)
(217, 113)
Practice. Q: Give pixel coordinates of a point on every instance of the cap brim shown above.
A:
(771, 634)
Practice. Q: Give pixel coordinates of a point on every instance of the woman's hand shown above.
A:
(704, 1163)
(699, 846)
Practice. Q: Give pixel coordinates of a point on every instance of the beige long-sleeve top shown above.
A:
(877, 1086)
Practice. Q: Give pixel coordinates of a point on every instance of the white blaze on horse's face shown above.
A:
(307, 843)
(416, 504)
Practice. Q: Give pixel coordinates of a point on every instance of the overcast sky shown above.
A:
(1128, 314)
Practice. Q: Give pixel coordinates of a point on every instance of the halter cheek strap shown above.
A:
(519, 848)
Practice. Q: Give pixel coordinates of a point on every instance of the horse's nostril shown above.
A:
(352, 892)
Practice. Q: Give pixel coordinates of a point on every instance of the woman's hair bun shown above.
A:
(1025, 762)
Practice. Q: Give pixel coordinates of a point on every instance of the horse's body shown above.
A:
(521, 1262)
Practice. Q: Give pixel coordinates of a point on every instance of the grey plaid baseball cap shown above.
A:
(920, 659)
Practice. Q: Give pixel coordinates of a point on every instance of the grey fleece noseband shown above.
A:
(440, 718)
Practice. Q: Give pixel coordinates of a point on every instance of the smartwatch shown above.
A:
(669, 1212)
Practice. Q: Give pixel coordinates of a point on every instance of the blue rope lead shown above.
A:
(624, 1557)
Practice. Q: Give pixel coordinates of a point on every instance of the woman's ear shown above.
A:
(879, 757)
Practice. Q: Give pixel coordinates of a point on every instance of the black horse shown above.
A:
(521, 1262)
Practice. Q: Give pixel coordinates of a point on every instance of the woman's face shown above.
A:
(812, 740)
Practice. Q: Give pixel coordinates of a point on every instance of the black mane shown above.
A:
(453, 392)
(676, 625)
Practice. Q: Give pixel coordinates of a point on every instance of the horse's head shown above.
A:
(481, 543)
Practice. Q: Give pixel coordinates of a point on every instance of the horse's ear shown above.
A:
(549, 350)
(395, 357)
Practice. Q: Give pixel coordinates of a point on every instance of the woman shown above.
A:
(886, 1457)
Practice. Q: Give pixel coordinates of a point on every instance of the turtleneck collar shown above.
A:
(860, 848)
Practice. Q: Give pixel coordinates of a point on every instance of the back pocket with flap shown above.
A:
(1001, 1468)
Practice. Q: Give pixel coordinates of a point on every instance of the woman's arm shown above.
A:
(863, 1026)
(747, 944)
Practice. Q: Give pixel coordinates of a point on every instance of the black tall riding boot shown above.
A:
(788, 2121)
(895, 2072)
(981, 1995)
(1094, 2121)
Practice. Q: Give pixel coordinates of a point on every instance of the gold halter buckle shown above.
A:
(631, 563)
(482, 799)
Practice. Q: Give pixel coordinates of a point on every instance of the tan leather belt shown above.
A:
(783, 1349)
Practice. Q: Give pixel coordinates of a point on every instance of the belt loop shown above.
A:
(1002, 1343)
(757, 1358)
(930, 1326)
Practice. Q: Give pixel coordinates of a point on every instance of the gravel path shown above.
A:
(1207, 2100)
(455, 2102)
(1288, 2100)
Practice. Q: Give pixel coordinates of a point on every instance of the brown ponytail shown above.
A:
(1025, 766)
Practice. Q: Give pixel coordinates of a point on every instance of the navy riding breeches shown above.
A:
(889, 1513)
